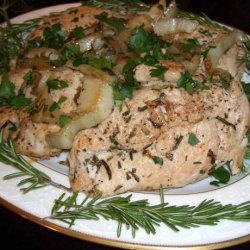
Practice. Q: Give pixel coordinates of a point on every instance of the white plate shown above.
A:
(37, 204)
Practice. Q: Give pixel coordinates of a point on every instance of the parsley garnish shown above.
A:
(157, 160)
(63, 120)
(141, 40)
(190, 45)
(78, 33)
(7, 88)
(29, 78)
(222, 176)
(126, 88)
(7, 94)
(56, 84)
(73, 53)
(192, 139)
(20, 101)
(100, 63)
(56, 105)
(158, 72)
(54, 37)
(189, 84)
(111, 21)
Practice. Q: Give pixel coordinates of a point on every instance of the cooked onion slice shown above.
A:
(174, 25)
(225, 43)
(64, 138)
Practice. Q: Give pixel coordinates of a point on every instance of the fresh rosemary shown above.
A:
(203, 20)
(135, 5)
(34, 178)
(140, 214)
(11, 37)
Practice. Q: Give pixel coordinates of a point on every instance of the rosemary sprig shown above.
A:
(34, 178)
(140, 214)
(12, 37)
(135, 5)
(203, 20)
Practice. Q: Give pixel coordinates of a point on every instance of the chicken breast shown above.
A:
(180, 108)
(165, 136)
(154, 148)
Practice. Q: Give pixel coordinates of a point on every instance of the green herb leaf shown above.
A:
(192, 139)
(14, 126)
(7, 88)
(141, 40)
(56, 84)
(222, 175)
(20, 101)
(78, 33)
(54, 37)
(63, 120)
(101, 63)
(111, 21)
(190, 45)
(159, 72)
(56, 105)
(136, 214)
(157, 160)
(189, 84)
(29, 78)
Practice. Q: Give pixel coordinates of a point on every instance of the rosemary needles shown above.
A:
(34, 178)
(140, 214)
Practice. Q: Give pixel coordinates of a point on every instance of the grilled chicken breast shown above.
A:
(142, 97)
(147, 143)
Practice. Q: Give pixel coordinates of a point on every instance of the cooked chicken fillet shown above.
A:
(180, 108)
(119, 156)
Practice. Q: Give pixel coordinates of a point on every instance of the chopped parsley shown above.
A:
(190, 45)
(158, 72)
(13, 126)
(7, 88)
(78, 33)
(189, 84)
(63, 120)
(20, 101)
(222, 176)
(125, 89)
(54, 37)
(56, 105)
(192, 139)
(157, 160)
(29, 78)
(7, 94)
(111, 21)
(141, 40)
(56, 84)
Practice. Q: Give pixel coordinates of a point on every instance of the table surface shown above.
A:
(17, 232)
